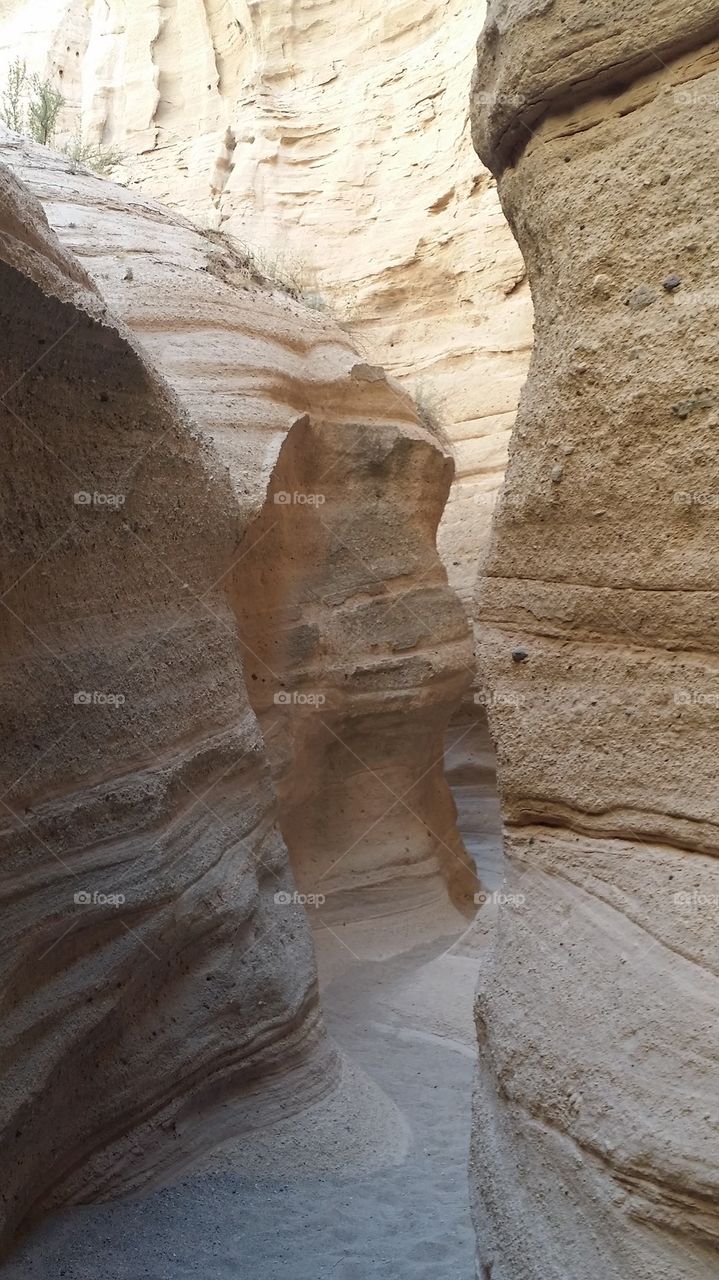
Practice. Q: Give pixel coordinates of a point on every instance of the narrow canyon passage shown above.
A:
(370, 1182)
(358, 471)
(281, 1112)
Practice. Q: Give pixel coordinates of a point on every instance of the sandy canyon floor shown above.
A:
(369, 1184)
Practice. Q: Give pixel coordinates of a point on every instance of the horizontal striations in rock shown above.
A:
(336, 140)
(597, 1121)
(358, 653)
(337, 583)
(258, 498)
(147, 978)
(529, 68)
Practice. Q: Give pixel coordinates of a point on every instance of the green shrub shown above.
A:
(93, 155)
(44, 106)
(30, 105)
(12, 111)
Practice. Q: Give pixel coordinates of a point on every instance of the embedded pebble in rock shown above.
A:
(602, 286)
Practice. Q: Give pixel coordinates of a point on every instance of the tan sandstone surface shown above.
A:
(335, 140)
(135, 768)
(596, 1124)
(369, 1184)
(146, 972)
(356, 650)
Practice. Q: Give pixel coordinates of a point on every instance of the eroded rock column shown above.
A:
(595, 1131)
(157, 974)
(358, 651)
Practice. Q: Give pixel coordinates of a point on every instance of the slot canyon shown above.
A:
(359, 585)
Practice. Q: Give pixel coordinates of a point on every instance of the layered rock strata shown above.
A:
(335, 140)
(147, 975)
(360, 652)
(596, 1127)
(356, 649)
(158, 977)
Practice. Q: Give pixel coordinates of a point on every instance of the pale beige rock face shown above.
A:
(131, 1028)
(335, 136)
(597, 1121)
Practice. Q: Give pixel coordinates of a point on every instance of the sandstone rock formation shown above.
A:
(139, 483)
(356, 650)
(147, 974)
(336, 139)
(596, 1126)
(365, 649)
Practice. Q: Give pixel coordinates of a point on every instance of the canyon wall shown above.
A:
(148, 979)
(158, 978)
(596, 1126)
(370, 652)
(335, 140)
(356, 649)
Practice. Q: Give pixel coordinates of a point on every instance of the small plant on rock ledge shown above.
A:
(93, 155)
(12, 111)
(240, 262)
(31, 106)
(44, 106)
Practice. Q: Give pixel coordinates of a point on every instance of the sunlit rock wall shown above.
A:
(335, 139)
